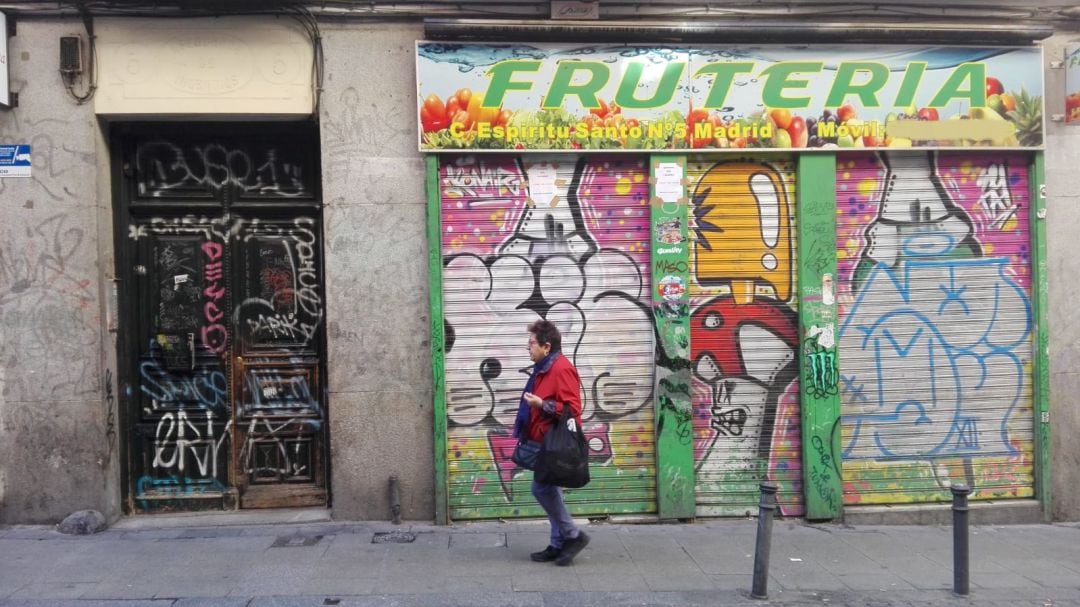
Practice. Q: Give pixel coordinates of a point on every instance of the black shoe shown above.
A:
(546, 555)
(571, 548)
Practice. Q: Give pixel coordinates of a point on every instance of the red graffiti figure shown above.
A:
(728, 342)
(279, 282)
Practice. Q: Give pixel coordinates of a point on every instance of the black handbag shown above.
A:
(564, 455)
(525, 454)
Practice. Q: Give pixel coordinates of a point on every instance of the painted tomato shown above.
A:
(433, 114)
(453, 104)
(697, 115)
(605, 109)
(434, 106)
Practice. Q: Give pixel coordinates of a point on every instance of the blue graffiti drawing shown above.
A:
(937, 329)
(205, 389)
(938, 337)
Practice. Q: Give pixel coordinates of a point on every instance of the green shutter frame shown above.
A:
(818, 365)
(674, 409)
(1041, 360)
(438, 338)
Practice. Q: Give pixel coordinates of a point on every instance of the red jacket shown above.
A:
(562, 385)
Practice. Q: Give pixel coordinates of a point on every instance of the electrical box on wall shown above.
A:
(70, 56)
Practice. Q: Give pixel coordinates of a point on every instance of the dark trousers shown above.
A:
(550, 498)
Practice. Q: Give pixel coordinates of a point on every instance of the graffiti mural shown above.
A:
(744, 335)
(564, 240)
(183, 373)
(184, 404)
(169, 168)
(936, 326)
(226, 391)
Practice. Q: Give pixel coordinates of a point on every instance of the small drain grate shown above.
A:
(393, 537)
(296, 541)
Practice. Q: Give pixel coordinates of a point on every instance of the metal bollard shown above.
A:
(764, 540)
(395, 500)
(961, 581)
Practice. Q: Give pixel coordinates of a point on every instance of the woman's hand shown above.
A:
(533, 400)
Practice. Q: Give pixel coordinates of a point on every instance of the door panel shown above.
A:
(182, 402)
(281, 307)
(278, 320)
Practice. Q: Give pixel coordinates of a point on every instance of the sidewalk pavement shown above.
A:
(487, 564)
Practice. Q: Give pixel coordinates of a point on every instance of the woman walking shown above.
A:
(553, 385)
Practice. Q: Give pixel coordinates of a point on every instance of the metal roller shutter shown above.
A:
(566, 239)
(744, 334)
(935, 326)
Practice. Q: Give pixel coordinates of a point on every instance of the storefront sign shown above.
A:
(560, 97)
(1072, 84)
(575, 9)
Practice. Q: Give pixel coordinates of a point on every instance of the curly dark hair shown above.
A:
(546, 332)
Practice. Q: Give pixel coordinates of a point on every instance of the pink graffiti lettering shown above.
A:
(213, 271)
(212, 312)
(214, 335)
(214, 292)
(212, 249)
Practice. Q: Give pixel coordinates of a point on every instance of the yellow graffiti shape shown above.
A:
(867, 186)
(743, 222)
